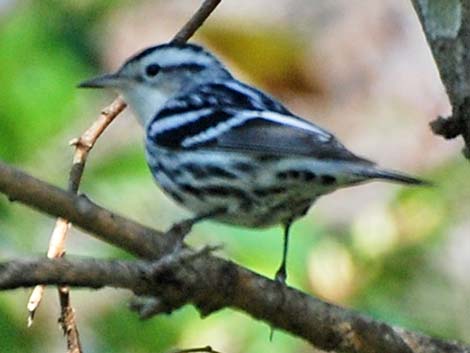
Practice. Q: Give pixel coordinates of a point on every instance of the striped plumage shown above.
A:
(224, 149)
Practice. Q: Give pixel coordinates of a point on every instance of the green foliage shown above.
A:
(13, 332)
(38, 74)
(120, 330)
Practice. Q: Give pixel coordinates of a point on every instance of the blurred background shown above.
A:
(360, 68)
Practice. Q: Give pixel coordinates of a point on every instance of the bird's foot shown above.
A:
(281, 276)
(179, 230)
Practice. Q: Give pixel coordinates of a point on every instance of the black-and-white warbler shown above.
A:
(227, 151)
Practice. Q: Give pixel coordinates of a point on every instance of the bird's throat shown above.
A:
(145, 102)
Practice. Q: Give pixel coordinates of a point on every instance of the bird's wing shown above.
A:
(236, 117)
(272, 133)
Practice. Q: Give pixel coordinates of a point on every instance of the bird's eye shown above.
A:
(152, 70)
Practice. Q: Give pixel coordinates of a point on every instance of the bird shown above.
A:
(226, 150)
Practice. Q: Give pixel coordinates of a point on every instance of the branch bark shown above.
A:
(208, 282)
(446, 24)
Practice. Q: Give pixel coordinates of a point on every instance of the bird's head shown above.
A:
(150, 78)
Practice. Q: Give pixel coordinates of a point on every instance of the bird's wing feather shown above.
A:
(234, 116)
(273, 137)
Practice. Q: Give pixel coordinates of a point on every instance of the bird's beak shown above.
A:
(104, 81)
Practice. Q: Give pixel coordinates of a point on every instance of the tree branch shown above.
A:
(446, 25)
(195, 21)
(79, 210)
(210, 283)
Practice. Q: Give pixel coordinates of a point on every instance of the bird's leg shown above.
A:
(281, 274)
(179, 230)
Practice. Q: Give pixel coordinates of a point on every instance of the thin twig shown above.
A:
(68, 322)
(83, 145)
(56, 249)
(195, 350)
(447, 32)
(195, 21)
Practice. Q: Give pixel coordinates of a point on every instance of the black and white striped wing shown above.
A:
(272, 133)
(232, 116)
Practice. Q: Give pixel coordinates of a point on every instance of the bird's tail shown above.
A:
(394, 176)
